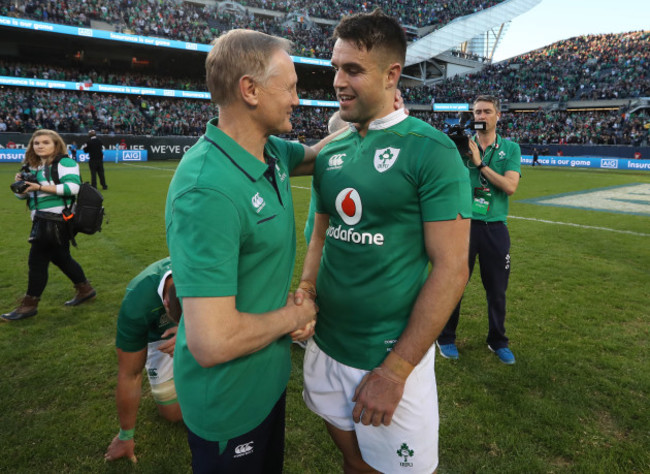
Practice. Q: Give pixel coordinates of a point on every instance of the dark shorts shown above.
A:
(261, 450)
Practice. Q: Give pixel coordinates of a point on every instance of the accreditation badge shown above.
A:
(481, 203)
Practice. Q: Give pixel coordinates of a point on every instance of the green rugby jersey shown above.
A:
(378, 191)
(501, 156)
(231, 232)
(70, 180)
(142, 318)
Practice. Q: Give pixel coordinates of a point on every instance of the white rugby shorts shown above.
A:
(409, 443)
(160, 370)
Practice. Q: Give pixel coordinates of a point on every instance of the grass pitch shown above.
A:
(578, 320)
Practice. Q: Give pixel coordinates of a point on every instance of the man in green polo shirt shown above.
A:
(494, 167)
(232, 240)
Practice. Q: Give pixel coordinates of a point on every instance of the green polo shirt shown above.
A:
(231, 232)
(503, 155)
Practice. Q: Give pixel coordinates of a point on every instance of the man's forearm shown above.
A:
(127, 398)
(507, 184)
(307, 165)
(216, 332)
(314, 251)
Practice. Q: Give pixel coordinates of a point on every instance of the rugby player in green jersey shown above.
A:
(391, 196)
(145, 338)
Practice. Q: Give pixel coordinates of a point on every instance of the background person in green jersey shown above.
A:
(146, 334)
(391, 195)
(334, 124)
(232, 240)
(494, 168)
(49, 237)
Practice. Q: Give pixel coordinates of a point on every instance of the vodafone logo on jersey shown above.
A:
(348, 205)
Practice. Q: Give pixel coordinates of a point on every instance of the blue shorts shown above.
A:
(261, 450)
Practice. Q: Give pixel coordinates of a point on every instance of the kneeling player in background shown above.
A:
(146, 334)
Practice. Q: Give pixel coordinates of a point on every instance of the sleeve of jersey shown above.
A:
(132, 328)
(291, 153)
(443, 185)
(514, 158)
(203, 236)
(69, 177)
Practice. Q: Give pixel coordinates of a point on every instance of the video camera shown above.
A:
(461, 133)
(26, 176)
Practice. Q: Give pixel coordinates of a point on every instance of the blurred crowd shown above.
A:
(594, 67)
(417, 13)
(609, 127)
(186, 21)
(25, 110)
(92, 76)
(583, 68)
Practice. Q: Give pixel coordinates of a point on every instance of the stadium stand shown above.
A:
(587, 69)
(25, 110)
(417, 13)
(594, 67)
(564, 127)
(186, 21)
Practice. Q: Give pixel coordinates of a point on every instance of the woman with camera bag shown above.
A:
(49, 238)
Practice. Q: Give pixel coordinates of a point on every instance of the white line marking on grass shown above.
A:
(150, 167)
(511, 217)
(581, 226)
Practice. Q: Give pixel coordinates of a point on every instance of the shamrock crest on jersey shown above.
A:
(385, 158)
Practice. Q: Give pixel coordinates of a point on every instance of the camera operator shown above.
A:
(494, 169)
(49, 237)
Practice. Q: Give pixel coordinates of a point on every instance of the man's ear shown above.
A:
(393, 75)
(249, 90)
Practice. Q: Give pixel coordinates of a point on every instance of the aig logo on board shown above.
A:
(611, 163)
(132, 156)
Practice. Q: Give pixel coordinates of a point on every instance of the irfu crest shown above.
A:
(405, 452)
(385, 158)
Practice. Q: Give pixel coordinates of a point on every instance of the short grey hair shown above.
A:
(239, 53)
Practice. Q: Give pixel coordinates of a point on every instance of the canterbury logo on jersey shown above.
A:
(243, 449)
(335, 161)
(258, 202)
(349, 208)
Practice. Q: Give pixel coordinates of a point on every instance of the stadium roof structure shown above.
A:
(475, 36)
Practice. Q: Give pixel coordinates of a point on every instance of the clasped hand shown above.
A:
(301, 297)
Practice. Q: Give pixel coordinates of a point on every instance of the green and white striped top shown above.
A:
(70, 180)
